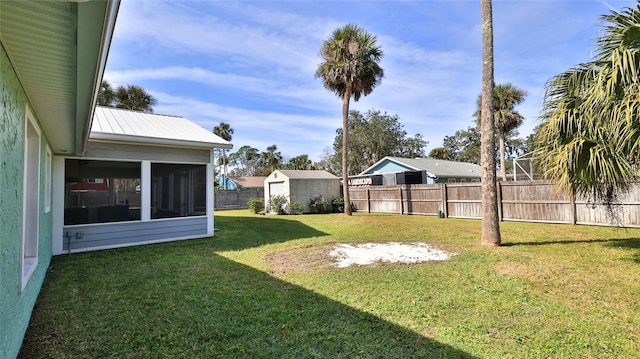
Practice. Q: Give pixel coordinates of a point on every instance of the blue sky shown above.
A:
(252, 63)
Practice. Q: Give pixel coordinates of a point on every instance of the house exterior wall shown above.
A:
(16, 302)
(89, 237)
(123, 151)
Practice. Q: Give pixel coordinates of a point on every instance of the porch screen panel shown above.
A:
(178, 190)
(101, 191)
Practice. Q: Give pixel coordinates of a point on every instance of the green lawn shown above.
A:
(264, 287)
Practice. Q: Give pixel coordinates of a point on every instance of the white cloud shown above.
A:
(252, 64)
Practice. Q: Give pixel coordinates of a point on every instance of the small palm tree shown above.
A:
(505, 117)
(590, 138)
(135, 98)
(271, 158)
(106, 96)
(224, 131)
(350, 69)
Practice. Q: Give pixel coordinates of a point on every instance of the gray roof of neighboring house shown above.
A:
(248, 181)
(304, 174)
(435, 168)
(142, 127)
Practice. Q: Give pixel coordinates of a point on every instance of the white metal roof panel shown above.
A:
(143, 127)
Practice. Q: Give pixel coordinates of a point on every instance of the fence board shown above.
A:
(528, 201)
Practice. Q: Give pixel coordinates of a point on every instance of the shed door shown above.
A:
(276, 188)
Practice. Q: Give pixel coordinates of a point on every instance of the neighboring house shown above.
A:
(52, 58)
(143, 178)
(224, 182)
(236, 182)
(248, 181)
(301, 186)
(398, 170)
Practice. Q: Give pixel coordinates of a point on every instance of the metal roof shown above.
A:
(58, 50)
(114, 124)
(304, 174)
(434, 168)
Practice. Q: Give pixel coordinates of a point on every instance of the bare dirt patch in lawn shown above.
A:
(340, 255)
(309, 258)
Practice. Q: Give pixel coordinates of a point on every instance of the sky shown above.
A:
(252, 63)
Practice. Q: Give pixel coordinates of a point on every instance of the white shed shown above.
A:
(301, 186)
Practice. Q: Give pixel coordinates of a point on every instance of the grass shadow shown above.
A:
(236, 233)
(632, 244)
(547, 243)
(177, 302)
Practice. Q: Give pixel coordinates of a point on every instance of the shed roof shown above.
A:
(307, 174)
(143, 127)
(434, 168)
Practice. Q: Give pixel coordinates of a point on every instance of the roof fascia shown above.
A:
(102, 137)
(93, 40)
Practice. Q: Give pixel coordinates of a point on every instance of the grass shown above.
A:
(264, 287)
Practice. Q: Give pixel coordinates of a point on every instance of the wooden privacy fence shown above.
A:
(235, 198)
(529, 201)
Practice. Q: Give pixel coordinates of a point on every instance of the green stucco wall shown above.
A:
(16, 305)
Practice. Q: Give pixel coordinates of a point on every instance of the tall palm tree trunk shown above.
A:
(502, 151)
(345, 164)
(490, 223)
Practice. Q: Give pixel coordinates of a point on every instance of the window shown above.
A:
(101, 191)
(47, 181)
(30, 199)
(178, 190)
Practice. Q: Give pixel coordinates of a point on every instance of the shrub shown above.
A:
(296, 208)
(256, 205)
(319, 205)
(338, 205)
(278, 204)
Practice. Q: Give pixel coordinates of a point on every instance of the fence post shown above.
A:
(401, 204)
(499, 195)
(368, 201)
(572, 209)
(445, 208)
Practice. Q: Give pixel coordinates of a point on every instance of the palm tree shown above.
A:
(106, 96)
(490, 220)
(224, 131)
(590, 138)
(271, 158)
(505, 117)
(349, 68)
(134, 98)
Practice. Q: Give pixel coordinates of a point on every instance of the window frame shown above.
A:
(48, 163)
(30, 199)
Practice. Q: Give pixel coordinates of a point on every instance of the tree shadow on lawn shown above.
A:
(624, 243)
(632, 244)
(93, 307)
(236, 233)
